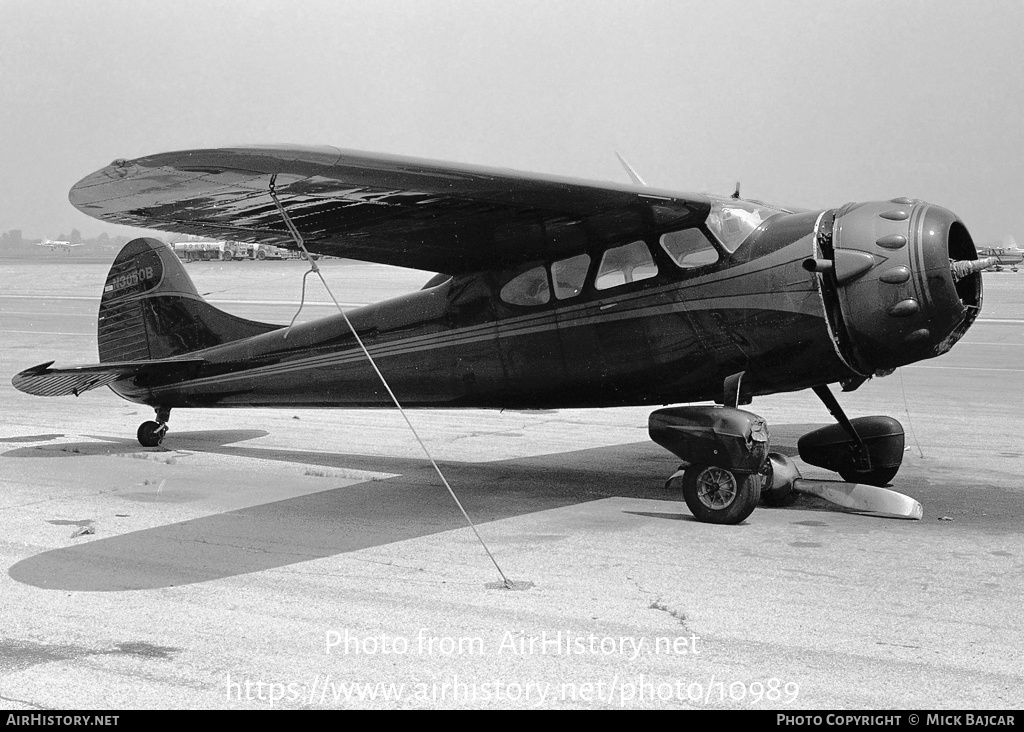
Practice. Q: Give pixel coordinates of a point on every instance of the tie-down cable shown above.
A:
(506, 582)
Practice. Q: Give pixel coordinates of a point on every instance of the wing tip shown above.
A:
(35, 370)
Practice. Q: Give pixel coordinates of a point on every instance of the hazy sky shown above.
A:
(810, 104)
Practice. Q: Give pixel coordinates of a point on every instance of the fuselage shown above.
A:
(672, 336)
(788, 300)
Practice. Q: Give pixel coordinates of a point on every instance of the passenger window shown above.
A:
(689, 248)
(568, 276)
(527, 288)
(625, 264)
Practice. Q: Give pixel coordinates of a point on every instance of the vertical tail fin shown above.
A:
(150, 309)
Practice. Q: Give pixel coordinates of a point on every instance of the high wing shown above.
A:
(394, 210)
(42, 380)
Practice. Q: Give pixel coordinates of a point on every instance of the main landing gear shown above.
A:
(151, 434)
(725, 450)
(727, 468)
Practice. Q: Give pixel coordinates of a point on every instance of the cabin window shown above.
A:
(689, 248)
(625, 264)
(529, 287)
(568, 275)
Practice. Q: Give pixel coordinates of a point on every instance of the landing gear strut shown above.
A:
(151, 434)
(727, 466)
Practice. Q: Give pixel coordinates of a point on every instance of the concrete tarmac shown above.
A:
(311, 558)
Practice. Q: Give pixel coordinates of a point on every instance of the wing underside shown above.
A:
(402, 211)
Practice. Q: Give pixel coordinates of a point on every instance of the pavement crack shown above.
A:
(26, 703)
(389, 563)
(657, 604)
(662, 607)
(61, 498)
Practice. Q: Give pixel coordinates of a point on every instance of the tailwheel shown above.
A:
(151, 434)
(718, 496)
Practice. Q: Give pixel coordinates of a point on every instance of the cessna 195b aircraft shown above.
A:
(551, 293)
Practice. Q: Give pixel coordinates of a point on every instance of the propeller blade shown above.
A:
(867, 499)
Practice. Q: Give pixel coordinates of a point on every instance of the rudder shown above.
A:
(150, 309)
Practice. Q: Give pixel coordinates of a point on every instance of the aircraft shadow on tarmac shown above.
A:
(412, 504)
(199, 441)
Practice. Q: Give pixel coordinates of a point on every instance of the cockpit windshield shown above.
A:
(732, 220)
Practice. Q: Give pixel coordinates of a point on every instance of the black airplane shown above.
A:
(551, 293)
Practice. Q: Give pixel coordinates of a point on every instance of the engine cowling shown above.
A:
(900, 279)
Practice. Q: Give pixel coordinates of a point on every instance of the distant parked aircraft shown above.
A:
(194, 251)
(1006, 255)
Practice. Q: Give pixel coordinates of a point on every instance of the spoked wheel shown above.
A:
(151, 434)
(719, 496)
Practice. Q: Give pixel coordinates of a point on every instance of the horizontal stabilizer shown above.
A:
(42, 380)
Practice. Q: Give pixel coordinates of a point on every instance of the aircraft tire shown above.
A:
(151, 434)
(718, 496)
(261, 255)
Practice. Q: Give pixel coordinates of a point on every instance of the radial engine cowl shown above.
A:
(900, 280)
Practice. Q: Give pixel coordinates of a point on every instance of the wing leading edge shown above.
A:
(380, 208)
